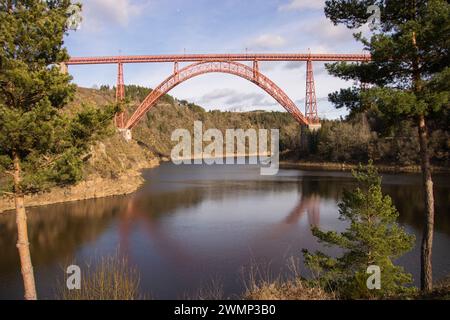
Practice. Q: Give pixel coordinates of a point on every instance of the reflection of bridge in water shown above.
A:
(138, 222)
(137, 214)
(309, 205)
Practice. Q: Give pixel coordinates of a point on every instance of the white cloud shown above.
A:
(253, 99)
(235, 98)
(326, 31)
(302, 5)
(292, 65)
(267, 41)
(98, 14)
(217, 94)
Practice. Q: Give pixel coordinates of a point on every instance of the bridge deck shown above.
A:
(329, 57)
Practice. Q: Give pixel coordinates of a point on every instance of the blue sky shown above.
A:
(134, 27)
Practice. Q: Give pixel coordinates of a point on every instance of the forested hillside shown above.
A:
(358, 139)
(154, 132)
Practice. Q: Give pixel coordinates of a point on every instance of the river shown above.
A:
(193, 225)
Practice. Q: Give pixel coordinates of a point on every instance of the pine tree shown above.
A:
(41, 145)
(408, 77)
(371, 238)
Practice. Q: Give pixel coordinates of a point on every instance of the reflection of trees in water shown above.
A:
(162, 241)
(161, 204)
(147, 209)
(327, 188)
(409, 201)
(312, 191)
(57, 231)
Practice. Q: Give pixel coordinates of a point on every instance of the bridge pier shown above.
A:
(308, 136)
(126, 134)
(63, 68)
(120, 96)
(314, 126)
(310, 98)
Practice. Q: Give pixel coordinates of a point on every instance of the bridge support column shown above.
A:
(255, 70)
(126, 134)
(314, 126)
(120, 96)
(310, 99)
(63, 68)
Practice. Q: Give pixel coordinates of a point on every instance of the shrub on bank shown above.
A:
(372, 239)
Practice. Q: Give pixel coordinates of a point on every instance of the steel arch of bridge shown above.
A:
(230, 67)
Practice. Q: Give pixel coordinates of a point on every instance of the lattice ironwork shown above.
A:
(231, 67)
(120, 96)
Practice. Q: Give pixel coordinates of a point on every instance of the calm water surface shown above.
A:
(191, 225)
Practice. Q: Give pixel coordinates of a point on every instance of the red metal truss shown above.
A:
(120, 89)
(311, 112)
(120, 95)
(327, 57)
(227, 63)
(231, 67)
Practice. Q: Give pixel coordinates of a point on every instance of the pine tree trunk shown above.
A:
(426, 279)
(22, 243)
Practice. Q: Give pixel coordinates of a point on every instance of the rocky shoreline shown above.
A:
(335, 166)
(91, 188)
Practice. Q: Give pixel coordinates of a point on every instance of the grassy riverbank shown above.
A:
(114, 278)
(300, 289)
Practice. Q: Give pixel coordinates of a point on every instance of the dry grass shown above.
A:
(441, 291)
(296, 289)
(260, 285)
(213, 290)
(111, 279)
